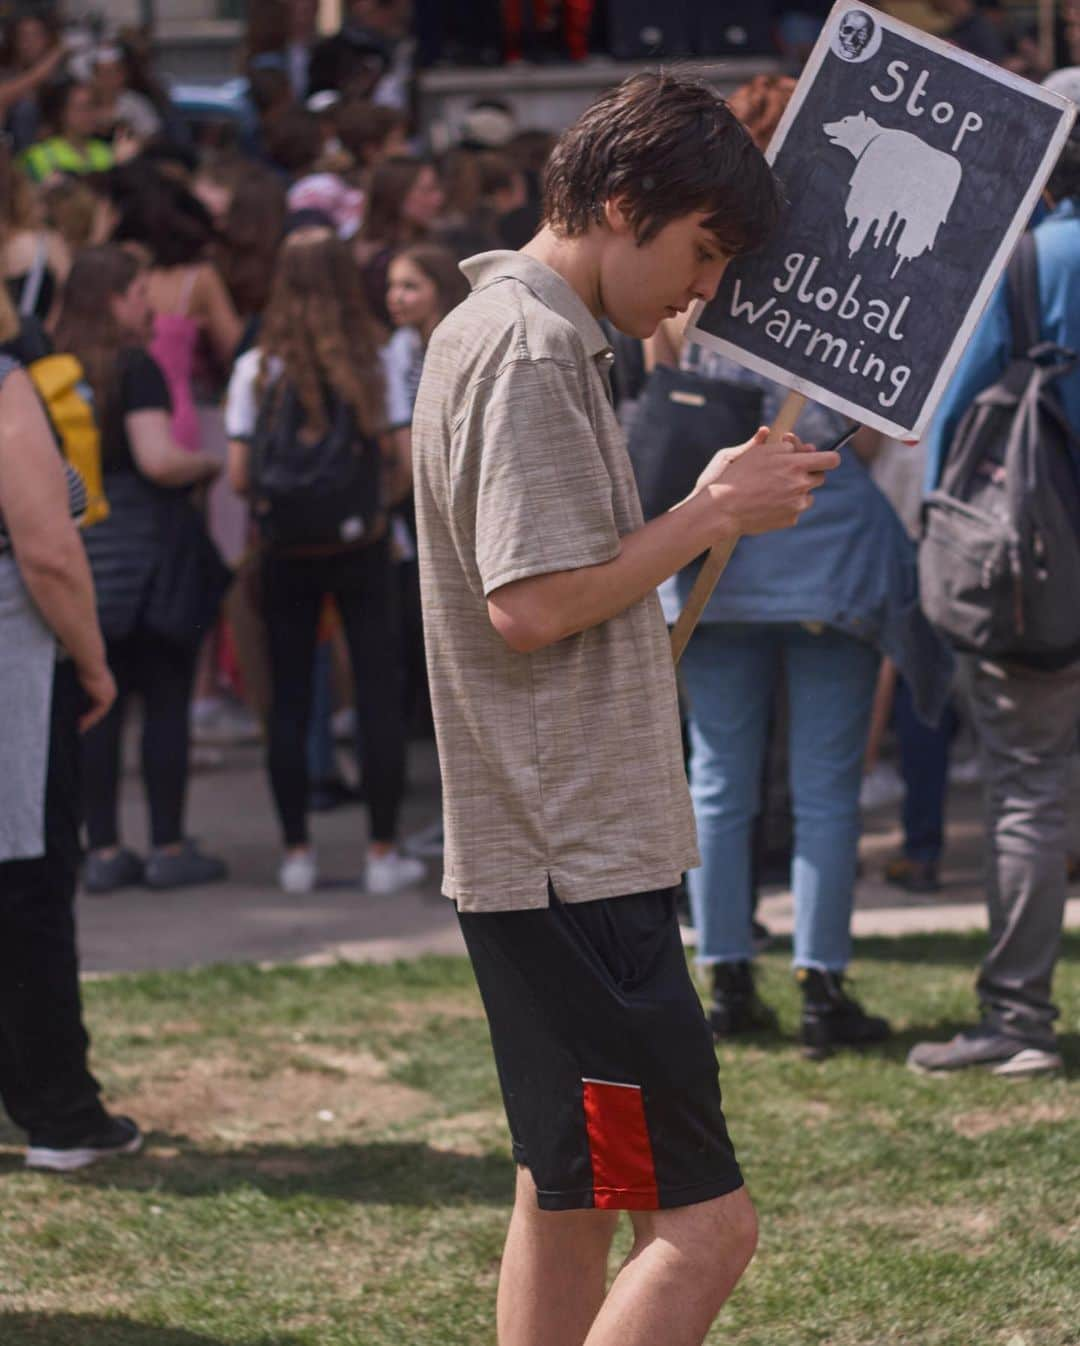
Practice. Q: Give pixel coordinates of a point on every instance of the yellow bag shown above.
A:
(61, 383)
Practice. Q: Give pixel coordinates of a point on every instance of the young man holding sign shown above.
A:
(567, 814)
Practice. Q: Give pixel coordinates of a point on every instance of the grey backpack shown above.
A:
(999, 560)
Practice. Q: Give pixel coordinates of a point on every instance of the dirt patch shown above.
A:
(968, 1229)
(471, 1133)
(815, 1111)
(220, 1097)
(972, 1125)
(415, 1013)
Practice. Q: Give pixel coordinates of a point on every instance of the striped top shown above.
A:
(77, 496)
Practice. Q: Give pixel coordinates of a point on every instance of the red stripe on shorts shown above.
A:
(624, 1177)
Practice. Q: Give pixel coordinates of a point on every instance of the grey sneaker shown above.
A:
(183, 868)
(985, 1046)
(106, 873)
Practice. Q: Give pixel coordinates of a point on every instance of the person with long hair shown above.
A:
(73, 211)
(105, 321)
(247, 203)
(423, 285)
(35, 259)
(187, 295)
(319, 342)
(404, 201)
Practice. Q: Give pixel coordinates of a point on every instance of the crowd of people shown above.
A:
(184, 280)
(496, 32)
(232, 331)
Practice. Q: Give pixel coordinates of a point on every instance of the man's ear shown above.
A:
(615, 216)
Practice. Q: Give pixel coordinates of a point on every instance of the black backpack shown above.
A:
(999, 560)
(324, 493)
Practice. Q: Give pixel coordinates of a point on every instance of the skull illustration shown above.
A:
(856, 30)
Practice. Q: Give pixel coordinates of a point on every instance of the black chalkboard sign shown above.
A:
(910, 170)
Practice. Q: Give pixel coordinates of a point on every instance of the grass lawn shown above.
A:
(327, 1165)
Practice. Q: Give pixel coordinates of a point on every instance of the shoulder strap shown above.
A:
(31, 289)
(1022, 278)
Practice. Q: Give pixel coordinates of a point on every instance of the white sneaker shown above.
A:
(392, 871)
(427, 844)
(881, 787)
(299, 873)
(966, 772)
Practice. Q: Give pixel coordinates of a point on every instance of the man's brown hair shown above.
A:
(665, 147)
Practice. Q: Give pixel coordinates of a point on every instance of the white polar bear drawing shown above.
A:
(901, 187)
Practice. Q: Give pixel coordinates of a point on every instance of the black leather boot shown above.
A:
(736, 1007)
(831, 1018)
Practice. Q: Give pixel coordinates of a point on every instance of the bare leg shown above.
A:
(554, 1271)
(682, 1267)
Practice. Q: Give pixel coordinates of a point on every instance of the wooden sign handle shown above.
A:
(720, 555)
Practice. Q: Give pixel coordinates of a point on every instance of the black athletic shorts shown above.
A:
(605, 1059)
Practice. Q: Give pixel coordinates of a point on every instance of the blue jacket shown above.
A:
(1057, 246)
(848, 564)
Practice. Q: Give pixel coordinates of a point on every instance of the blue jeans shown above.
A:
(730, 671)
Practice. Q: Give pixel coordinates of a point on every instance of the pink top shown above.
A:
(175, 338)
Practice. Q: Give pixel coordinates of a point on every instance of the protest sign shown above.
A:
(910, 169)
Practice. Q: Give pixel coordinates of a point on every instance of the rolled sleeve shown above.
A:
(543, 493)
(241, 402)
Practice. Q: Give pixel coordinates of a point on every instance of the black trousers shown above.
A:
(162, 674)
(45, 1085)
(362, 584)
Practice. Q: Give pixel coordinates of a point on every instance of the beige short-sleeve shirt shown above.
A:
(564, 764)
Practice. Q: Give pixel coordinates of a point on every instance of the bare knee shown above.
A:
(744, 1228)
(714, 1240)
(728, 1235)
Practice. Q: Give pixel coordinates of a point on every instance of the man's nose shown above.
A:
(708, 280)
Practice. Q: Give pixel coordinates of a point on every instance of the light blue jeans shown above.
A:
(730, 672)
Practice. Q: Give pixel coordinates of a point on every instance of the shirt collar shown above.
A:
(546, 285)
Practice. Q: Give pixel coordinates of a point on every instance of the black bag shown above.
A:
(191, 579)
(683, 419)
(999, 560)
(313, 494)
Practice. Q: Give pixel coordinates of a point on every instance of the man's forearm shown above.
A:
(63, 590)
(532, 613)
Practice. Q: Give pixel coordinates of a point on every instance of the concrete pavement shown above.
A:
(247, 919)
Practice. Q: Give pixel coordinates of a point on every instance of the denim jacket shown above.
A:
(848, 563)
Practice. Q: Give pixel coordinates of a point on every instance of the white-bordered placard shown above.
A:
(911, 169)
